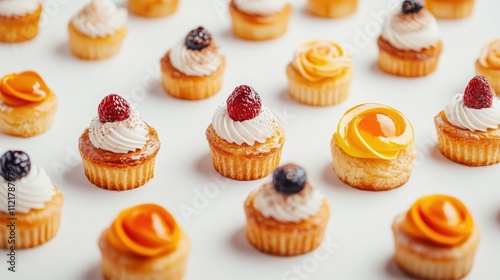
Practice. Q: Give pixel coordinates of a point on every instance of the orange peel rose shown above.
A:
(18, 89)
(490, 55)
(440, 219)
(147, 230)
(373, 131)
(318, 60)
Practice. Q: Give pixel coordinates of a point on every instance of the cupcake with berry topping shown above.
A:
(27, 105)
(436, 238)
(244, 137)
(144, 242)
(259, 19)
(468, 128)
(373, 148)
(288, 216)
(410, 43)
(332, 8)
(320, 74)
(193, 69)
(98, 30)
(19, 20)
(447, 9)
(152, 8)
(30, 200)
(118, 149)
(488, 64)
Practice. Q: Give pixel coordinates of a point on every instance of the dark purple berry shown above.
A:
(289, 178)
(412, 6)
(14, 165)
(198, 39)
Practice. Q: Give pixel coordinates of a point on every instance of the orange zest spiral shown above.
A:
(18, 89)
(146, 230)
(440, 219)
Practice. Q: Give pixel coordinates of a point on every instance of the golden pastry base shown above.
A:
(332, 8)
(492, 75)
(152, 8)
(95, 48)
(19, 29)
(447, 9)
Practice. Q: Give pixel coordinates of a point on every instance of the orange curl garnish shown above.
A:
(22, 88)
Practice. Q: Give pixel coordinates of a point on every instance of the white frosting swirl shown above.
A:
(288, 208)
(16, 8)
(472, 119)
(258, 129)
(100, 18)
(31, 191)
(260, 7)
(193, 62)
(412, 31)
(119, 137)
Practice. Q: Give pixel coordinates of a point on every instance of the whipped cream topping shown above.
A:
(100, 18)
(16, 8)
(472, 119)
(490, 55)
(260, 7)
(258, 129)
(119, 137)
(411, 31)
(31, 191)
(288, 208)
(196, 62)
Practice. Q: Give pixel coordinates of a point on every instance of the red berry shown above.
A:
(243, 103)
(113, 108)
(478, 94)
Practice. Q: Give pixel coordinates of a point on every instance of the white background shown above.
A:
(359, 228)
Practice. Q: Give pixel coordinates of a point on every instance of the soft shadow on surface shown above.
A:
(63, 50)
(393, 271)
(240, 242)
(204, 165)
(331, 178)
(436, 154)
(93, 272)
(75, 175)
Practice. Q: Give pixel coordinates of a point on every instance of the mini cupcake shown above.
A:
(320, 74)
(488, 64)
(27, 105)
(436, 238)
(373, 148)
(244, 138)
(259, 19)
(467, 128)
(410, 43)
(98, 30)
(29, 203)
(118, 149)
(193, 69)
(455, 9)
(144, 242)
(332, 8)
(152, 8)
(19, 20)
(288, 216)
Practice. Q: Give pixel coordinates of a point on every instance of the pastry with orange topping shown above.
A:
(98, 30)
(488, 64)
(27, 105)
(19, 20)
(144, 242)
(373, 148)
(288, 216)
(153, 8)
(450, 9)
(320, 74)
(259, 19)
(332, 8)
(436, 238)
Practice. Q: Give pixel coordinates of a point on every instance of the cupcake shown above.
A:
(27, 105)
(259, 19)
(410, 43)
(144, 242)
(19, 20)
(288, 216)
(450, 9)
(467, 128)
(320, 74)
(193, 69)
(244, 137)
(30, 204)
(98, 30)
(436, 238)
(152, 8)
(118, 149)
(488, 64)
(373, 148)
(332, 8)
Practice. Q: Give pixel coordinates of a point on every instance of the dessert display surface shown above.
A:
(208, 209)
